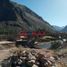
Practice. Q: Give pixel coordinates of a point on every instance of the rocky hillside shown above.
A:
(15, 17)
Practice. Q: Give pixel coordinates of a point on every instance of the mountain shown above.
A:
(57, 28)
(64, 29)
(15, 18)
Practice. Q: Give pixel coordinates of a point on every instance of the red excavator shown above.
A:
(28, 39)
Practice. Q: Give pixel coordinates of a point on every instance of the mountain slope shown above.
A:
(64, 29)
(16, 18)
(57, 28)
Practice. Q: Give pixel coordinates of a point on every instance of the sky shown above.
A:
(53, 11)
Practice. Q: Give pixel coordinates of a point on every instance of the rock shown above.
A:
(23, 58)
(0, 66)
(24, 52)
(20, 61)
(32, 61)
(31, 57)
(52, 59)
(34, 65)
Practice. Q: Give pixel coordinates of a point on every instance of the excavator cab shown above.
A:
(25, 40)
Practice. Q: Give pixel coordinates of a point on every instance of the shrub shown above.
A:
(55, 45)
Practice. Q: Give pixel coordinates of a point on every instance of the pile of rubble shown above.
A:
(31, 58)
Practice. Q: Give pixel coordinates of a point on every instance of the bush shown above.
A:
(55, 45)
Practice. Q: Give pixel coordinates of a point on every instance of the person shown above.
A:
(31, 42)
